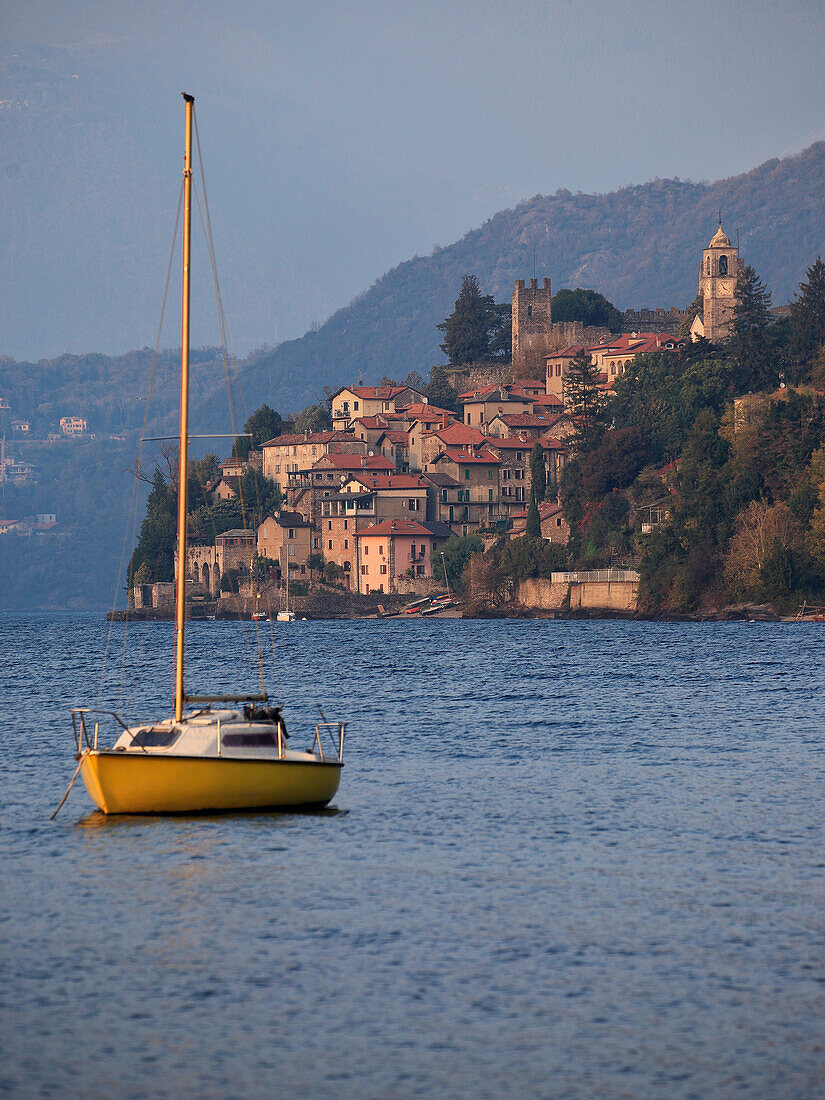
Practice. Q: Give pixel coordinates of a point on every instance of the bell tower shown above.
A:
(718, 272)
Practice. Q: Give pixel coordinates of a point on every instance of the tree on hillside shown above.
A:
(538, 473)
(584, 400)
(748, 344)
(264, 424)
(587, 306)
(474, 327)
(808, 314)
(438, 390)
(456, 551)
(155, 550)
(314, 418)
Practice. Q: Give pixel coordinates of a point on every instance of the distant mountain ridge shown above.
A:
(639, 246)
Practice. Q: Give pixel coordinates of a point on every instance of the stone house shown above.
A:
(286, 539)
(554, 527)
(393, 446)
(424, 444)
(352, 402)
(289, 454)
(519, 425)
(206, 565)
(322, 481)
(476, 470)
(481, 406)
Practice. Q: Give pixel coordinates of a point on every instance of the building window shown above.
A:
(291, 553)
(346, 525)
(366, 549)
(329, 525)
(443, 496)
(381, 551)
(467, 475)
(329, 544)
(364, 570)
(419, 570)
(490, 475)
(383, 569)
(529, 311)
(355, 405)
(489, 494)
(290, 532)
(723, 265)
(303, 569)
(346, 544)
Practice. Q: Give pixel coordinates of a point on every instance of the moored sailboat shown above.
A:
(216, 752)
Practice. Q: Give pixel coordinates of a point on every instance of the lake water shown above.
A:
(569, 859)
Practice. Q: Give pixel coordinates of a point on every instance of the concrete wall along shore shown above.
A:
(594, 590)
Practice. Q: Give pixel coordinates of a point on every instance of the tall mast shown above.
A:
(180, 590)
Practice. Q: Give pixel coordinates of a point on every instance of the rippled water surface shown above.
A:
(568, 860)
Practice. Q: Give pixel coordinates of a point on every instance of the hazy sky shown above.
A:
(342, 138)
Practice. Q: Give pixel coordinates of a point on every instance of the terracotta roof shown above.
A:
(442, 481)
(314, 437)
(395, 527)
(372, 422)
(570, 352)
(465, 455)
(547, 508)
(393, 436)
(290, 519)
(457, 433)
(353, 462)
(514, 444)
(509, 392)
(373, 393)
(427, 412)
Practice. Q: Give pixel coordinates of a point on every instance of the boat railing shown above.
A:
(82, 736)
(337, 744)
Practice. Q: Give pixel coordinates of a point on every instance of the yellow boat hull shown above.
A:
(131, 783)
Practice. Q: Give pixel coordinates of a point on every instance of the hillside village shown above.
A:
(386, 492)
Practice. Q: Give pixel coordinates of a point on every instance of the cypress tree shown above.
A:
(532, 529)
(538, 473)
(584, 400)
(749, 344)
(808, 315)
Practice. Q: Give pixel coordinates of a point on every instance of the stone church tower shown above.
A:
(532, 323)
(718, 272)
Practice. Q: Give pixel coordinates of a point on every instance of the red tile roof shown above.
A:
(509, 392)
(353, 462)
(466, 455)
(457, 433)
(395, 527)
(514, 444)
(315, 437)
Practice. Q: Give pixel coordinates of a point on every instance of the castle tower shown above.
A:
(532, 323)
(718, 272)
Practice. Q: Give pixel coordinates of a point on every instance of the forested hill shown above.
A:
(639, 246)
